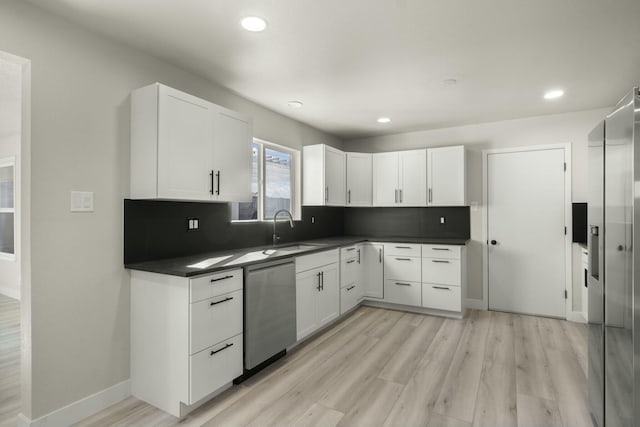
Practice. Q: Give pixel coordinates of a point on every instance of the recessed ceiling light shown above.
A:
(253, 23)
(295, 104)
(384, 120)
(553, 94)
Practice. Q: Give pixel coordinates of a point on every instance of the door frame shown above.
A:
(568, 283)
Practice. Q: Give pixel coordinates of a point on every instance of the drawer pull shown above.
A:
(350, 249)
(441, 249)
(221, 301)
(441, 287)
(352, 261)
(440, 261)
(222, 278)
(350, 287)
(403, 284)
(403, 247)
(403, 259)
(226, 346)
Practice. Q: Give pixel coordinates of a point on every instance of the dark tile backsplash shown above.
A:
(158, 229)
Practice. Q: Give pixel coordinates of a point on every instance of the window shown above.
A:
(7, 207)
(274, 185)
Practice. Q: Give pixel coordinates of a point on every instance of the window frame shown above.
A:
(5, 162)
(295, 181)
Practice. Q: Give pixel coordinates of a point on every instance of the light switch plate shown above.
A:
(442, 220)
(82, 201)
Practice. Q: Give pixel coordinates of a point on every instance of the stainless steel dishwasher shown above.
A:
(269, 311)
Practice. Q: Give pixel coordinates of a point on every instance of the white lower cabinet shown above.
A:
(372, 270)
(402, 292)
(186, 337)
(317, 291)
(441, 297)
(349, 297)
(444, 277)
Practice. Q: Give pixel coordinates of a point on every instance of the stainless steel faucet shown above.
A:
(275, 217)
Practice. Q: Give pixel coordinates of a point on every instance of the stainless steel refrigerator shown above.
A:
(614, 268)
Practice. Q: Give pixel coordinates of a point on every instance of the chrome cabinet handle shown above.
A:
(396, 196)
(358, 256)
(350, 249)
(212, 184)
(441, 249)
(326, 194)
(403, 284)
(218, 188)
(318, 288)
(223, 348)
(403, 247)
(350, 287)
(441, 287)
(222, 278)
(403, 259)
(380, 255)
(400, 191)
(221, 301)
(349, 196)
(430, 196)
(440, 261)
(351, 261)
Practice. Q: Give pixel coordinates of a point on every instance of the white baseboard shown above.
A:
(576, 316)
(80, 409)
(10, 292)
(476, 304)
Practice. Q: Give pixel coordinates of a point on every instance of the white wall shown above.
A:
(552, 129)
(10, 134)
(80, 141)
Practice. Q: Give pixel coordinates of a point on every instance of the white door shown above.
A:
(185, 146)
(385, 179)
(359, 179)
(335, 177)
(232, 157)
(446, 176)
(526, 231)
(413, 178)
(307, 290)
(328, 299)
(372, 275)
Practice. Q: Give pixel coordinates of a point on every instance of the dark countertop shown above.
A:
(211, 262)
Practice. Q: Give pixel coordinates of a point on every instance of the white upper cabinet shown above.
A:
(413, 178)
(400, 178)
(186, 148)
(446, 177)
(359, 179)
(323, 176)
(385, 179)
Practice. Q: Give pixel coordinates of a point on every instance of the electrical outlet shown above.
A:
(193, 224)
(442, 220)
(313, 220)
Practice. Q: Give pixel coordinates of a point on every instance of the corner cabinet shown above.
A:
(446, 176)
(186, 148)
(400, 178)
(323, 176)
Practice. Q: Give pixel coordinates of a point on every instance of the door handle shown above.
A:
(493, 242)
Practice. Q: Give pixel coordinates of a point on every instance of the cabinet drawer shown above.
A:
(307, 262)
(349, 297)
(350, 252)
(441, 251)
(215, 319)
(348, 271)
(403, 268)
(441, 271)
(214, 367)
(441, 297)
(402, 292)
(215, 284)
(402, 249)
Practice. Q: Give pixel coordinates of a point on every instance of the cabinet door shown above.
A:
(328, 299)
(232, 156)
(307, 290)
(372, 267)
(413, 178)
(385, 179)
(185, 146)
(359, 179)
(446, 173)
(334, 176)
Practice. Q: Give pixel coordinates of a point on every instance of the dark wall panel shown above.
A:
(408, 222)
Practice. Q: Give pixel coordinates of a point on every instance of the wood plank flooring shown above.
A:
(388, 368)
(9, 361)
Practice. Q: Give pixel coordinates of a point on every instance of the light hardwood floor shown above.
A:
(389, 368)
(9, 361)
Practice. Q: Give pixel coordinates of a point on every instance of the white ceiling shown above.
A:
(351, 61)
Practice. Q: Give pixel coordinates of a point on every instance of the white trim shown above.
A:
(82, 408)
(476, 304)
(567, 214)
(576, 316)
(10, 292)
